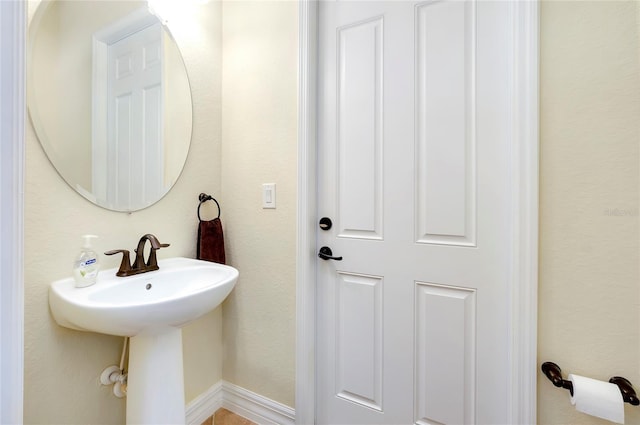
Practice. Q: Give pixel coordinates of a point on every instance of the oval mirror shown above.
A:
(109, 99)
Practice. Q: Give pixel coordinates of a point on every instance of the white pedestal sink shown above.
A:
(151, 308)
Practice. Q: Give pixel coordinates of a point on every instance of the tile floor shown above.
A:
(225, 417)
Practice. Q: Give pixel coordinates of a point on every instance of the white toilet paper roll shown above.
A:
(597, 398)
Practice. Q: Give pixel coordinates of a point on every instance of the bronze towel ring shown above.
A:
(203, 197)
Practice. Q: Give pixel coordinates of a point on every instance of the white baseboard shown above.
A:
(205, 405)
(240, 401)
(255, 407)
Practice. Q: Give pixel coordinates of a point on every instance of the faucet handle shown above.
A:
(125, 264)
(153, 240)
(152, 261)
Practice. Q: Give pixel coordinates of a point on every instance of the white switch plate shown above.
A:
(269, 195)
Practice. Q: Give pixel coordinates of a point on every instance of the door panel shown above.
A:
(359, 339)
(359, 138)
(445, 125)
(412, 159)
(445, 358)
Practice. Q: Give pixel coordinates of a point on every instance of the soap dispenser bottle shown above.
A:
(85, 268)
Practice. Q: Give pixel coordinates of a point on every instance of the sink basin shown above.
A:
(180, 292)
(151, 308)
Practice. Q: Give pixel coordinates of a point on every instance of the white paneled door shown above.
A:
(135, 150)
(413, 151)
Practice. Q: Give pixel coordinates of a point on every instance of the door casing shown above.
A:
(523, 212)
(12, 150)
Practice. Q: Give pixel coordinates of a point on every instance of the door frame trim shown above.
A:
(306, 214)
(524, 212)
(12, 156)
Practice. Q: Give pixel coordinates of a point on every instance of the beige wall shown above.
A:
(62, 366)
(259, 132)
(176, 131)
(589, 313)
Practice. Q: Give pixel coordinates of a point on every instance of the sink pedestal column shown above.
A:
(155, 384)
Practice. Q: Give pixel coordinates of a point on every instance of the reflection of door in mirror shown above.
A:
(68, 59)
(128, 113)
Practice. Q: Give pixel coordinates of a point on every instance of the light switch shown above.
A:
(269, 195)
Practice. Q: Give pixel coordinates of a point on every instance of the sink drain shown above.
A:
(148, 286)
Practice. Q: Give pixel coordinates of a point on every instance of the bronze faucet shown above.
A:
(139, 265)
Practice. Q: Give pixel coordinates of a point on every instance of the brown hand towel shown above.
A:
(211, 241)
